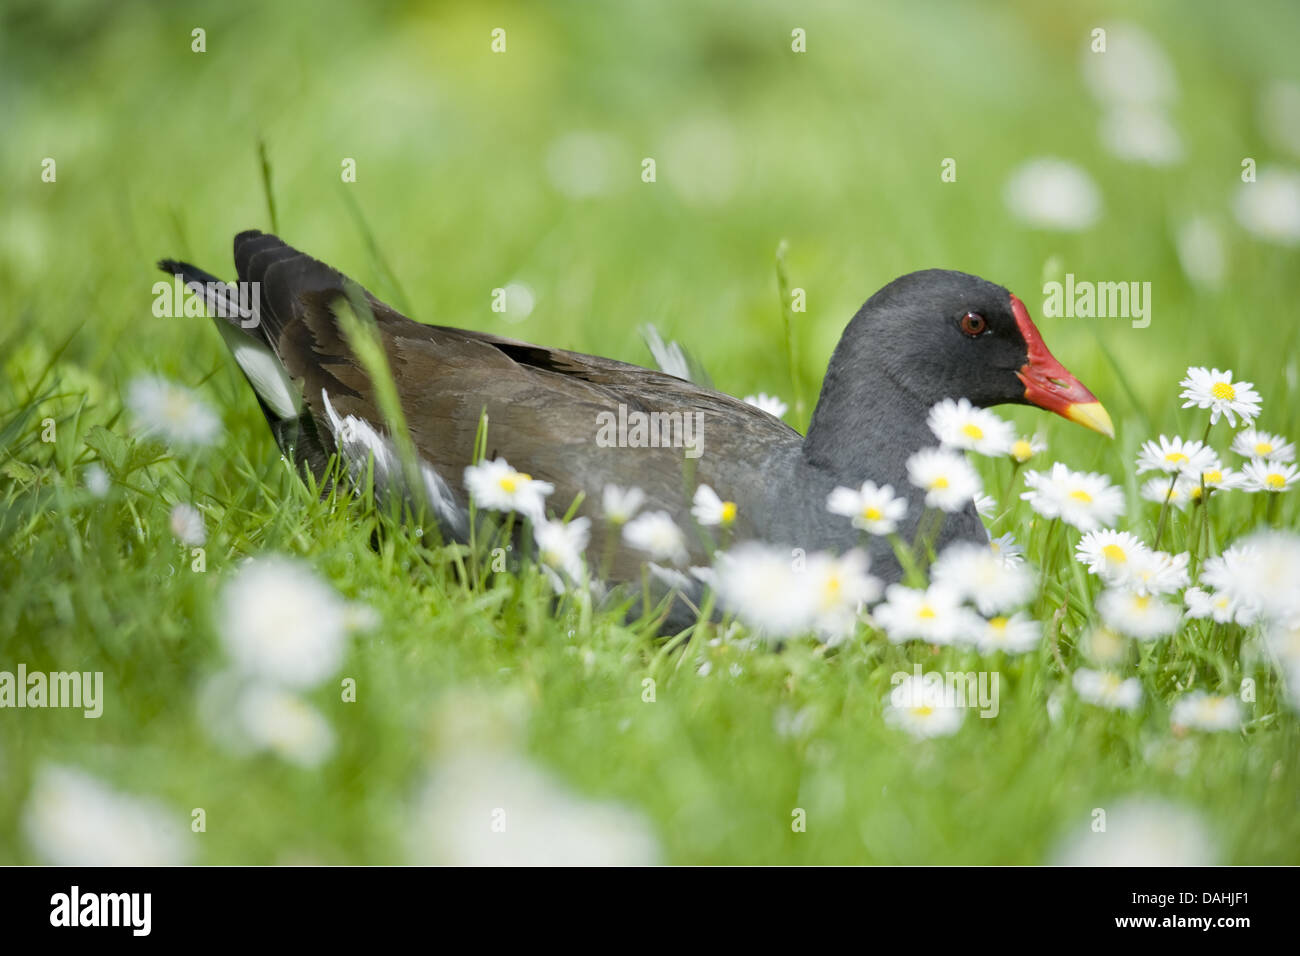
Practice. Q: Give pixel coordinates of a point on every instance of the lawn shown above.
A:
(524, 170)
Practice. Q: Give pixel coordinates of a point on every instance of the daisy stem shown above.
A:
(1047, 554)
(911, 573)
(1271, 515)
(1011, 482)
(1164, 512)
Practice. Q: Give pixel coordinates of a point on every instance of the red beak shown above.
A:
(1049, 384)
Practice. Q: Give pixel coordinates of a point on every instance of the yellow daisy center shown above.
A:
(1176, 456)
(1263, 448)
(1022, 450)
(1275, 481)
(998, 624)
(510, 483)
(1114, 553)
(1223, 391)
(1080, 495)
(926, 612)
(923, 711)
(971, 430)
(940, 482)
(872, 513)
(1141, 601)
(1212, 477)
(728, 512)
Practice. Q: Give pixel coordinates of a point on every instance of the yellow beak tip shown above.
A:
(1091, 415)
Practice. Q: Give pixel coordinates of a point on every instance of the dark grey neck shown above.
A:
(867, 422)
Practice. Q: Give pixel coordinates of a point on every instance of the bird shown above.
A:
(924, 337)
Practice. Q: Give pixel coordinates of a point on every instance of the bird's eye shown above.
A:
(972, 323)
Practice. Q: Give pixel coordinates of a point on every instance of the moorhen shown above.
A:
(924, 337)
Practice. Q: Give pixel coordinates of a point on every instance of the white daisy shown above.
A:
(1014, 635)
(1159, 490)
(280, 622)
(976, 574)
(710, 510)
(621, 504)
(948, 479)
(561, 546)
(1201, 711)
(922, 708)
(1250, 443)
(959, 424)
(1103, 645)
(874, 510)
(187, 525)
(1215, 478)
(840, 586)
(1220, 606)
(1217, 391)
(496, 486)
(1140, 831)
(934, 615)
(986, 506)
(1261, 475)
(768, 403)
(1107, 689)
(165, 410)
(759, 584)
(1086, 500)
(1006, 548)
(74, 819)
(1269, 208)
(1051, 193)
(285, 724)
(1260, 573)
(1023, 449)
(1156, 572)
(1144, 617)
(657, 534)
(97, 480)
(1175, 456)
(1109, 553)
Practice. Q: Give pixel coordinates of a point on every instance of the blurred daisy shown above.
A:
(1217, 391)
(1013, 635)
(496, 486)
(948, 479)
(1159, 490)
(669, 356)
(1220, 606)
(1141, 135)
(283, 723)
(1200, 252)
(655, 533)
(1261, 475)
(561, 546)
(1175, 456)
(1201, 711)
(1260, 573)
(934, 615)
(187, 525)
(975, 573)
(1249, 443)
(1140, 832)
(1144, 617)
(1086, 500)
(1108, 554)
(1023, 449)
(1102, 645)
(922, 708)
(710, 510)
(620, 504)
(959, 424)
(768, 403)
(758, 583)
(280, 622)
(986, 506)
(1107, 689)
(1215, 478)
(97, 480)
(1007, 550)
(1053, 194)
(1156, 572)
(840, 586)
(172, 413)
(1133, 69)
(74, 819)
(1269, 208)
(873, 509)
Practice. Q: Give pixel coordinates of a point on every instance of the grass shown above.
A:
(837, 153)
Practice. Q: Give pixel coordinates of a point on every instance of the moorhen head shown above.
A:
(924, 337)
